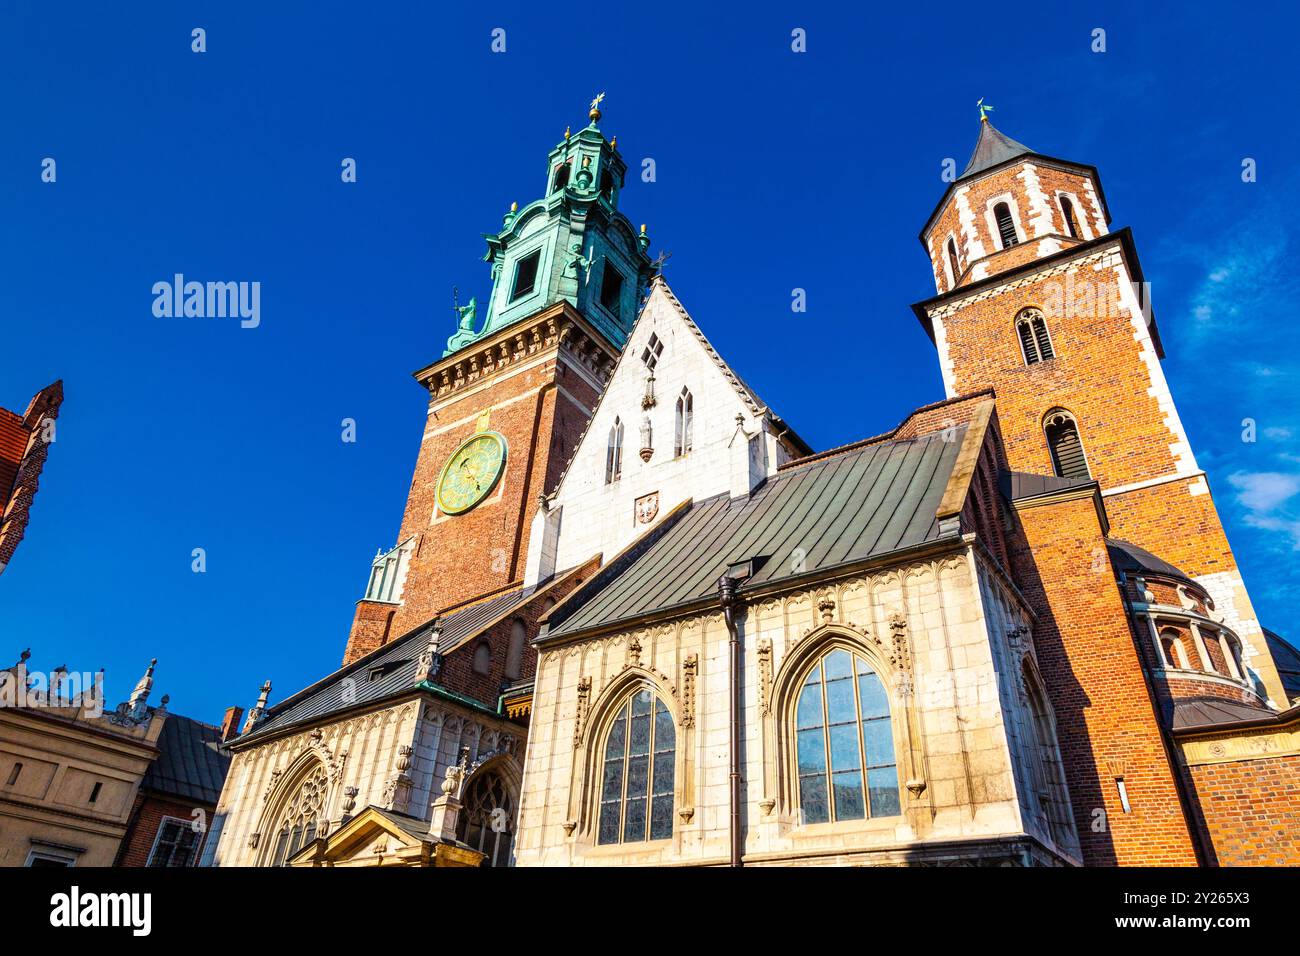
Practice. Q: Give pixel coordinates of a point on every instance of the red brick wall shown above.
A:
(1251, 810)
(147, 817)
(979, 192)
(1106, 722)
(458, 559)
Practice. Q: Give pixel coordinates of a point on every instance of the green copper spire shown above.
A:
(572, 245)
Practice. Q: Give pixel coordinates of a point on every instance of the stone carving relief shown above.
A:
(689, 668)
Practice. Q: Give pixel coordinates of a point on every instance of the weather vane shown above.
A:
(984, 110)
(658, 262)
(595, 106)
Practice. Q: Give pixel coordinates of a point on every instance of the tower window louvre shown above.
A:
(1068, 460)
(1006, 225)
(952, 261)
(526, 275)
(1067, 210)
(1031, 327)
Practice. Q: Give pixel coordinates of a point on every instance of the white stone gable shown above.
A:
(587, 515)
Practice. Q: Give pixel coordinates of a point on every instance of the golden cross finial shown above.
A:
(595, 106)
(984, 110)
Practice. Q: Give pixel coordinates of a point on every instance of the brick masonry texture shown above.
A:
(1251, 810)
(1105, 719)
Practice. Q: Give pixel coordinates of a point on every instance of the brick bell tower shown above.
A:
(512, 392)
(1042, 302)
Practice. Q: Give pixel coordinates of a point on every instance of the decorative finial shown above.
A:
(613, 143)
(984, 110)
(514, 207)
(595, 108)
(259, 709)
(142, 688)
(567, 133)
(643, 229)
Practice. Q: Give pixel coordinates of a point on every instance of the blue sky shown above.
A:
(775, 170)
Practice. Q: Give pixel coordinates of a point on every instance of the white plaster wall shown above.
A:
(598, 518)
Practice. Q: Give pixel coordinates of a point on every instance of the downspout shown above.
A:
(730, 604)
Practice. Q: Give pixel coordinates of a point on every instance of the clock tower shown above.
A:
(512, 392)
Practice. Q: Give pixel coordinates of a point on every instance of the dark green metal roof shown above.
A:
(835, 511)
(389, 671)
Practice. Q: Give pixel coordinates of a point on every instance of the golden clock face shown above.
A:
(471, 473)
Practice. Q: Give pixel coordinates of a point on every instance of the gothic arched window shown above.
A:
(1175, 654)
(1006, 225)
(1036, 344)
(487, 817)
(1048, 779)
(952, 260)
(515, 650)
(1067, 210)
(1068, 460)
(300, 819)
(614, 454)
(684, 423)
(844, 742)
(637, 772)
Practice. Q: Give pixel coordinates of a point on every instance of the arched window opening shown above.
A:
(487, 818)
(1232, 656)
(844, 742)
(614, 454)
(1067, 210)
(562, 172)
(301, 817)
(1047, 764)
(1006, 225)
(515, 650)
(483, 658)
(1068, 460)
(607, 185)
(1035, 342)
(952, 260)
(1175, 654)
(637, 774)
(684, 423)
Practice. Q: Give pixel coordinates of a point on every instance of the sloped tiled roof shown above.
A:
(392, 666)
(13, 445)
(830, 512)
(190, 763)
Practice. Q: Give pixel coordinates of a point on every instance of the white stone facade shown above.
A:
(588, 515)
(956, 707)
(395, 757)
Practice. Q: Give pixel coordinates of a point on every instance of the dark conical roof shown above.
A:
(992, 148)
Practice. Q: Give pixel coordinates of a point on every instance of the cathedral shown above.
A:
(631, 618)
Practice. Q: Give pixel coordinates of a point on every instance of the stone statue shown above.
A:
(468, 315)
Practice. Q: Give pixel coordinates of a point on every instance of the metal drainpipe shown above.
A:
(730, 603)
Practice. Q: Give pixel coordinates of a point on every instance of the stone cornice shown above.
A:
(557, 326)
